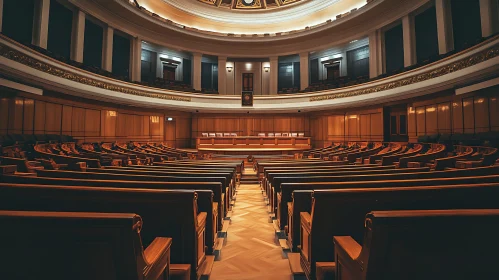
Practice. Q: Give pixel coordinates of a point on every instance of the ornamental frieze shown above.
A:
(444, 70)
(34, 63)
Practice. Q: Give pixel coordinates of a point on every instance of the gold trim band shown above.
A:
(34, 63)
(447, 69)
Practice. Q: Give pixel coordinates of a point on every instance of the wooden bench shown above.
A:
(171, 213)
(421, 244)
(185, 172)
(218, 196)
(270, 173)
(392, 148)
(437, 151)
(289, 164)
(204, 191)
(69, 245)
(70, 160)
(391, 159)
(275, 179)
(23, 165)
(358, 156)
(380, 180)
(341, 212)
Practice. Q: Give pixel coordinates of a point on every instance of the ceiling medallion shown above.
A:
(249, 4)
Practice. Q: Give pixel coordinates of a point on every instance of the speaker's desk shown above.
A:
(252, 145)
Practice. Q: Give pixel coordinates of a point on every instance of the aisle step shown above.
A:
(295, 266)
(206, 267)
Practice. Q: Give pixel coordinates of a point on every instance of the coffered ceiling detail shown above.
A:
(250, 4)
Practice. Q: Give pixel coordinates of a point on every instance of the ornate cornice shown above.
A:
(34, 63)
(446, 69)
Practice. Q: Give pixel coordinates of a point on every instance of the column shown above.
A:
(444, 26)
(136, 59)
(107, 49)
(41, 23)
(409, 31)
(196, 70)
(78, 36)
(274, 74)
(376, 53)
(489, 15)
(1, 14)
(222, 75)
(304, 71)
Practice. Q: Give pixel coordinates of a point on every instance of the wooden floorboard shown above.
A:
(251, 251)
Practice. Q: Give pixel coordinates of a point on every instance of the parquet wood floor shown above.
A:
(251, 251)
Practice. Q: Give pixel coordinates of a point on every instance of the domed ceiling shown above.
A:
(250, 16)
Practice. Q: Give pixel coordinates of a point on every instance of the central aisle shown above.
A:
(251, 251)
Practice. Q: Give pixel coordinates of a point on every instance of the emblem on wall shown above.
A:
(247, 98)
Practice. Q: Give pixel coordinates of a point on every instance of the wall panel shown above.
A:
(53, 117)
(16, 121)
(457, 116)
(78, 122)
(420, 121)
(468, 115)
(444, 118)
(376, 127)
(4, 115)
(28, 116)
(481, 109)
(92, 122)
(431, 120)
(494, 113)
(39, 122)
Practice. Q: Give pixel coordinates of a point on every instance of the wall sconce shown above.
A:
(154, 119)
(266, 69)
(111, 113)
(229, 69)
(169, 119)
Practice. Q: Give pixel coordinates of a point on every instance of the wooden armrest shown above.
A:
(347, 253)
(349, 245)
(157, 256)
(202, 218)
(33, 163)
(215, 207)
(305, 218)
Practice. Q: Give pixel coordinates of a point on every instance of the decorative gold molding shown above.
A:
(446, 69)
(34, 63)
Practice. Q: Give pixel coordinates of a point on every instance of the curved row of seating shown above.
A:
(326, 208)
(150, 195)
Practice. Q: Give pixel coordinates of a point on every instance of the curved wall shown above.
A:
(479, 62)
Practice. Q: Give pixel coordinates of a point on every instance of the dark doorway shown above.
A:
(395, 123)
(333, 72)
(168, 73)
(247, 81)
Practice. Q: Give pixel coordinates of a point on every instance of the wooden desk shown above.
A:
(252, 144)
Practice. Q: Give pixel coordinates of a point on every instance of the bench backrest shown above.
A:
(341, 212)
(55, 245)
(434, 245)
(167, 213)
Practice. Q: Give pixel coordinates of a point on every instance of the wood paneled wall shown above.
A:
(247, 125)
(28, 114)
(450, 114)
(355, 125)
(89, 120)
